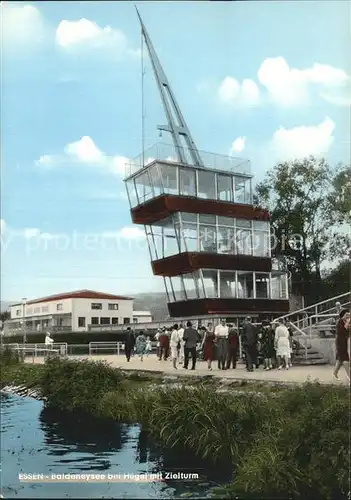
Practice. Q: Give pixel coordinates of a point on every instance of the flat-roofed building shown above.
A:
(75, 311)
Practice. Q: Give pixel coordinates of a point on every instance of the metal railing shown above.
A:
(40, 347)
(97, 347)
(45, 351)
(167, 152)
(302, 315)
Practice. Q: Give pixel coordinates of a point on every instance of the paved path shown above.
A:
(296, 374)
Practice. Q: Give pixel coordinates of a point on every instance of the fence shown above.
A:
(23, 351)
(36, 349)
(97, 347)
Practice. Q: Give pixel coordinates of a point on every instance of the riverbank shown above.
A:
(281, 442)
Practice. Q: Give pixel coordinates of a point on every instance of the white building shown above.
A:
(78, 311)
(142, 317)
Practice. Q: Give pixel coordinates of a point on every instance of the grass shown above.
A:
(293, 443)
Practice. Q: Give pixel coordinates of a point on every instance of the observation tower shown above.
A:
(206, 239)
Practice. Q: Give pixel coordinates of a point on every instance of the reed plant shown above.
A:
(8, 356)
(78, 385)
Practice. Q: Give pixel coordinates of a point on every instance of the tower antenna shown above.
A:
(176, 126)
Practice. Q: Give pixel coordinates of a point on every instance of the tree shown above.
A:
(299, 195)
(340, 195)
(4, 316)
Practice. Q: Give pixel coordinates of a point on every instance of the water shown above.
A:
(36, 440)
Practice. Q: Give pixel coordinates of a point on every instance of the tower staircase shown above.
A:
(313, 329)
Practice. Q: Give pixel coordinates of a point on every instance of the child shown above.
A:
(148, 347)
(140, 345)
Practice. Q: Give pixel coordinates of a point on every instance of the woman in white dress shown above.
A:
(282, 345)
(174, 345)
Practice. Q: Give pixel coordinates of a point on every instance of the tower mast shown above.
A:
(176, 126)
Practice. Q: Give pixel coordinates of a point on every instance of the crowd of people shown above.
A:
(269, 345)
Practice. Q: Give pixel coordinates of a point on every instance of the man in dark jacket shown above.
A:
(129, 343)
(233, 346)
(249, 344)
(191, 337)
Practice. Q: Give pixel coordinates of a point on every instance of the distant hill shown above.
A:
(156, 303)
(4, 305)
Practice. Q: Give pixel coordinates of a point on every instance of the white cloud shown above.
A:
(131, 233)
(85, 152)
(238, 145)
(299, 142)
(231, 92)
(87, 35)
(22, 25)
(291, 86)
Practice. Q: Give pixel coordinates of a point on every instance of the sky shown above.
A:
(267, 81)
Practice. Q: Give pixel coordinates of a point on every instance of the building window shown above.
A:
(170, 242)
(81, 322)
(242, 190)
(113, 307)
(143, 187)
(190, 286)
(245, 285)
(126, 321)
(227, 284)
(261, 239)
(18, 312)
(105, 321)
(226, 240)
(210, 280)
(168, 175)
(178, 287)
(224, 187)
(115, 321)
(45, 309)
(95, 320)
(243, 242)
(187, 182)
(58, 307)
(262, 286)
(96, 305)
(207, 238)
(135, 320)
(206, 187)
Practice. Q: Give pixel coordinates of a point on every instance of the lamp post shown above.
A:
(24, 330)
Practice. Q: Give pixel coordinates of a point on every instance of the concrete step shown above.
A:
(305, 362)
(312, 356)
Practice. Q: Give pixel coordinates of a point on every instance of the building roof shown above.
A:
(79, 294)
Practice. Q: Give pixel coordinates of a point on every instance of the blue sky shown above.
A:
(261, 80)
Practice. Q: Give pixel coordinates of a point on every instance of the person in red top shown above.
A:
(208, 345)
(342, 337)
(164, 344)
(233, 346)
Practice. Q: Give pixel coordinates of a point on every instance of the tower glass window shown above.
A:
(168, 174)
(225, 187)
(143, 187)
(245, 285)
(210, 280)
(187, 182)
(206, 184)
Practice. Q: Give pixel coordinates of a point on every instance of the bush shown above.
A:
(8, 356)
(72, 385)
